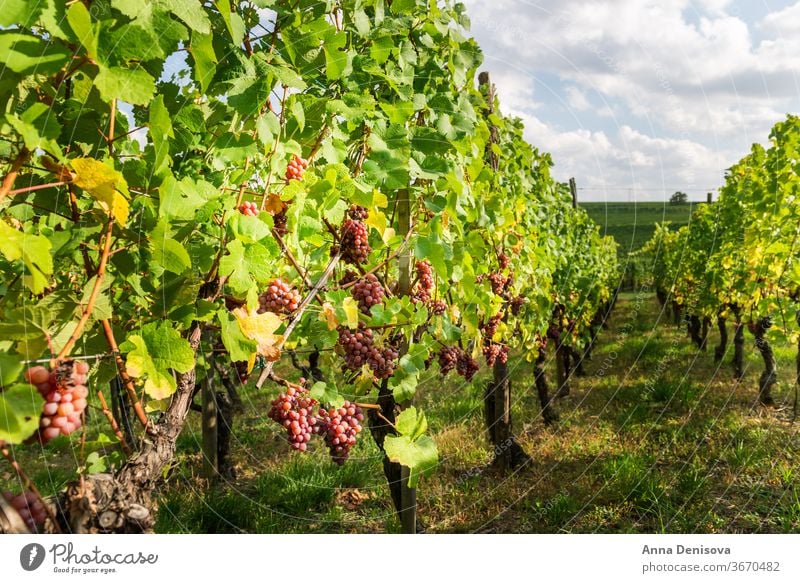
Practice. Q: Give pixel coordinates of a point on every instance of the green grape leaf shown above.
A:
(327, 395)
(80, 21)
(34, 250)
(246, 265)
(29, 55)
(20, 407)
(412, 448)
(10, 368)
(239, 346)
(190, 12)
(20, 13)
(205, 59)
(153, 353)
(38, 127)
(134, 86)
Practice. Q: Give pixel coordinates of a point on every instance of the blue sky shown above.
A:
(639, 98)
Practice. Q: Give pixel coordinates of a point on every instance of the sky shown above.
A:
(637, 98)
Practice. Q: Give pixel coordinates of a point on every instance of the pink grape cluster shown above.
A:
(354, 242)
(340, 428)
(359, 349)
(368, 292)
(516, 305)
(65, 394)
(448, 359)
(296, 168)
(29, 508)
(503, 260)
(294, 411)
(358, 213)
(249, 209)
(438, 307)
(424, 288)
(494, 352)
(467, 366)
(490, 328)
(280, 297)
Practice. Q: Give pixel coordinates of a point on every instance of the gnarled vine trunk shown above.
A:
(719, 351)
(738, 344)
(768, 377)
(549, 413)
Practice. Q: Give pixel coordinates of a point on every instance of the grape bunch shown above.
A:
(424, 287)
(490, 328)
(294, 410)
(354, 242)
(466, 366)
(340, 428)
(241, 366)
(279, 298)
(296, 168)
(503, 260)
(498, 281)
(279, 221)
(368, 292)
(516, 305)
(448, 359)
(358, 213)
(65, 393)
(29, 508)
(494, 352)
(249, 209)
(438, 307)
(359, 349)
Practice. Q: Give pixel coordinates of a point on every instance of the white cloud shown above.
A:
(682, 86)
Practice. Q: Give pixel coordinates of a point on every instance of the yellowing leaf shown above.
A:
(274, 204)
(379, 199)
(261, 328)
(106, 185)
(328, 314)
(350, 307)
(377, 220)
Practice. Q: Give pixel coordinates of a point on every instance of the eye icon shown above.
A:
(31, 556)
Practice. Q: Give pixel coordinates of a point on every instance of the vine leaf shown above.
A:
(261, 328)
(134, 86)
(239, 346)
(20, 406)
(350, 307)
(151, 355)
(34, 250)
(412, 448)
(328, 315)
(105, 185)
(326, 395)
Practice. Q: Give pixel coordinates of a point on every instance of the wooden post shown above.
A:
(710, 197)
(573, 188)
(497, 399)
(408, 496)
(209, 406)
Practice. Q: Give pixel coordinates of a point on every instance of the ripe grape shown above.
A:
(504, 260)
(438, 307)
(516, 305)
(249, 209)
(368, 291)
(498, 281)
(29, 508)
(466, 366)
(240, 366)
(494, 352)
(65, 393)
(280, 297)
(279, 221)
(359, 349)
(294, 410)
(354, 242)
(340, 428)
(296, 168)
(424, 273)
(358, 213)
(490, 328)
(448, 359)
(349, 277)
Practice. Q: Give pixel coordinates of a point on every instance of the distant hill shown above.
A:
(633, 223)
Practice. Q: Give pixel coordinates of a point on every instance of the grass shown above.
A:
(656, 438)
(633, 223)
